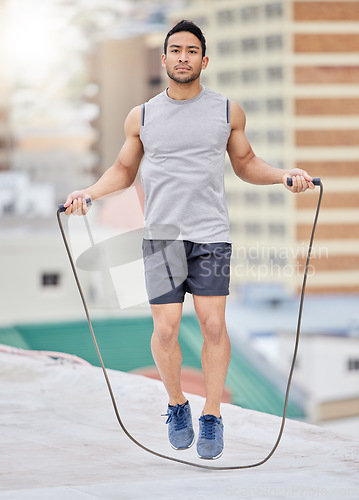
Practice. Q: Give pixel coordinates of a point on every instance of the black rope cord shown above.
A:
(128, 434)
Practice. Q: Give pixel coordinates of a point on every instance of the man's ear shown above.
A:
(205, 62)
(163, 60)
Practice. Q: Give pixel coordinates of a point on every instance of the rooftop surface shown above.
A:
(125, 346)
(60, 439)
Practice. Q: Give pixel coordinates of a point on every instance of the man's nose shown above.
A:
(183, 57)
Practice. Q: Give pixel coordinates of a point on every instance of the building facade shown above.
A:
(292, 66)
(5, 134)
(328, 370)
(127, 72)
(325, 104)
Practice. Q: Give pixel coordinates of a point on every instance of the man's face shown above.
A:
(183, 60)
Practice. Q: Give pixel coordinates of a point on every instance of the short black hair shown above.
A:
(185, 25)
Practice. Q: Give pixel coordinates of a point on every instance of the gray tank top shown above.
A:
(182, 171)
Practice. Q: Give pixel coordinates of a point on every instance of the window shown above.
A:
(353, 364)
(250, 44)
(227, 47)
(274, 10)
(251, 198)
(278, 163)
(251, 106)
(274, 42)
(249, 13)
(277, 229)
(274, 105)
(275, 135)
(276, 198)
(253, 256)
(252, 228)
(250, 75)
(225, 17)
(253, 259)
(154, 81)
(50, 279)
(201, 21)
(9, 208)
(275, 259)
(275, 74)
(254, 135)
(153, 67)
(227, 77)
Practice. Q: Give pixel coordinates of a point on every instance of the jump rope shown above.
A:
(61, 208)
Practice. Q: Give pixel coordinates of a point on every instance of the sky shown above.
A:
(38, 37)
(47, 36)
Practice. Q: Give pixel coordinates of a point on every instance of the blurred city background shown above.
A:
(70, 72)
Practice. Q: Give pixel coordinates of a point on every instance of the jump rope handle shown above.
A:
(316, 181)
(62, 208)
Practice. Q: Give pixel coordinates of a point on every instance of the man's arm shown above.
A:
(249, 167)
(120, 175)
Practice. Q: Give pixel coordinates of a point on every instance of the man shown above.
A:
(181, 137)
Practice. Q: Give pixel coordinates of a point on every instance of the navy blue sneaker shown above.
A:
(210, 440)
(180, 429)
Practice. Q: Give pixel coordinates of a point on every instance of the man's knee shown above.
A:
(166, 319)
(165, 332)
(213, 328)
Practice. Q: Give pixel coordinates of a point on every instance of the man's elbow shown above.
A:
(242, 164)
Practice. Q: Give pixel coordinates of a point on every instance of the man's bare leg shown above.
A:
(166, 349)
(216, 350)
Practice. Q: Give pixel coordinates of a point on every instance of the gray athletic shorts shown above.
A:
(174, 267)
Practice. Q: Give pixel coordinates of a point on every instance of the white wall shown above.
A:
(24, 258)
(322, 367)
(28, 253)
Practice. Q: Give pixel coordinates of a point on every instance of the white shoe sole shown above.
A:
(210, 458)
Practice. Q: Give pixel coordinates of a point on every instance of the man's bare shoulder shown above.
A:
(133, 122)
(237, 116)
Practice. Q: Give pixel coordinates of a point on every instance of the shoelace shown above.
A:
(208, 429)
(178, 413)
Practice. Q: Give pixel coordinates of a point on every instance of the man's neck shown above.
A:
(183, 91)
